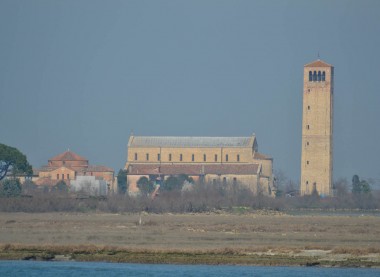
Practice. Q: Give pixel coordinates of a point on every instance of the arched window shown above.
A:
(315, 76)
(319, 76)
(310, 76)
(323, 76)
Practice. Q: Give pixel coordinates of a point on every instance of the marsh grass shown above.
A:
(248, 238)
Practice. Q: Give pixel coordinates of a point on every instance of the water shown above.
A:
(56, 269)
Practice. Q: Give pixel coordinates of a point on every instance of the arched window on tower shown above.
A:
(323, 76)
(319, 76)
(315, 76)
(310, 76)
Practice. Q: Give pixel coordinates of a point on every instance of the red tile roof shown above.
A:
(68, 156)
(90, 168)
(192, 169)
(260, 156)
(318, 63)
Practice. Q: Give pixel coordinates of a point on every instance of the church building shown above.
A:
(67, 166)
(227, 160)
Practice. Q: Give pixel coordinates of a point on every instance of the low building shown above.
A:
(68, 166)
(228, 160)
(89, 185)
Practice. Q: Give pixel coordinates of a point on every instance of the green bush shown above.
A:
(10, 188)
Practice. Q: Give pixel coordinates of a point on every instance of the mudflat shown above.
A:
(260, 237)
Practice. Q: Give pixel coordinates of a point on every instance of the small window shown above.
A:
(63, 162)
(170, 157)
(323, 76)
(57, 176)
(307, 127)
(308, 107)
(315, 76)
(224, 180)
(310, 76)
(238, 158)
(307, 143)
(192, 157)
(308, 90)
(307, 162)
(68, 176)
(319, 76)
(226, 157)
(204, 157)
(147, 156)
(234, 180)
(135, 156)
(216, 157)
(180, 157)
(63, 176)
(307, 182)
(158, 157)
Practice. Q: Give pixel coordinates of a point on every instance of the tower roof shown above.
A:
(68, 156)
(318, 63)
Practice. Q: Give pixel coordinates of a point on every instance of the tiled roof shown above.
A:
(147, 141)
(192, 169)
(68, 156)
(260, 156)
(93, 168)
(318, 63)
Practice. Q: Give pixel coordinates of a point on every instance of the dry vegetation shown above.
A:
(210, 225)
(254, 238)
(201, 198)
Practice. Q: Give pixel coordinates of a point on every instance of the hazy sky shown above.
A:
(85, 74)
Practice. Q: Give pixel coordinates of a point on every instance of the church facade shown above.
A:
(227, 160)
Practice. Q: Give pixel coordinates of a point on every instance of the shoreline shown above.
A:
(262, 239)
(271, 257)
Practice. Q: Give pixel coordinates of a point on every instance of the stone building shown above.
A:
(68, 166)
(228, 160)
(317, 129)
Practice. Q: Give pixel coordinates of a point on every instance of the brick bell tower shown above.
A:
(317, 129)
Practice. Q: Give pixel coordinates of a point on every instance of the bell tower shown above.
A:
(317, 129)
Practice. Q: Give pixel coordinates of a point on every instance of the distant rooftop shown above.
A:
(147, 141)
(68, 156)
(318, 63)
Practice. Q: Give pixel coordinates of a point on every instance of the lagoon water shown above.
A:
(93, 269)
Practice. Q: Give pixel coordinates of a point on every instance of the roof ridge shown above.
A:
(318, 63)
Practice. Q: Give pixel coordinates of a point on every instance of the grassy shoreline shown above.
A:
(271, 257)
(260, 238)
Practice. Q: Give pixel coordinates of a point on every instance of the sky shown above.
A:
(85, 74)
